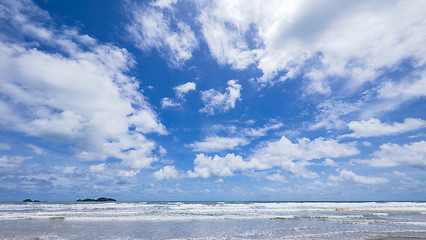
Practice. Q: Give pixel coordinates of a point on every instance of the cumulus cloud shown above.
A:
(167, 172)
(346, 175)
(150, 28)
(169, 103)
(205, 166)
(215, 101)
(374, 127)
(183, 89)
(351, 40)
(81, 95)
(216, 144)
(291, 157)
(295, 157)
(180, 91)
(391, 155)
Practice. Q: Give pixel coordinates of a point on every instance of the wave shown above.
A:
(178, 211)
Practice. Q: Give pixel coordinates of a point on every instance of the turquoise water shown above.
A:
(213, 220)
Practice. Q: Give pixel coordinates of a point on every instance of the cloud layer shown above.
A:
(374, 127)
(347, 40)
(260, 98)
(291, 157)
(80, 95)
(391, 155)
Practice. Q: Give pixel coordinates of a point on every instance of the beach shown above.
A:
(214, 220)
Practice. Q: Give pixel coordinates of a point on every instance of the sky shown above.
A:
(210, 100)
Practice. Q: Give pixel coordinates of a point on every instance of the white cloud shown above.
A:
(276, 177)
(127, 173)
(228, 44)
(164, 3)
(183, 89)
(167, 172)
(351, 40)
(294, 157)
(19, 13)
(221, 102)
(12, 161)
(5, 146)
(81, 94)
(205, 166)
(329, 162)
(216, 144)
(404, 90)
(291, 157)
(150, 28)
(346, 175)
(169, 103)
(374, 127)
(180, 91)
(390, 155)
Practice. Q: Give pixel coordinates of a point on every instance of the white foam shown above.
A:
(187, 211)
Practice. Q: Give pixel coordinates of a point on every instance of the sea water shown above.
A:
(213, 220)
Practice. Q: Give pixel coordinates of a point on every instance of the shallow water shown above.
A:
(214, 220)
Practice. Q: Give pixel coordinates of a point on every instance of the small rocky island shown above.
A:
(101, 199)
(29, 200)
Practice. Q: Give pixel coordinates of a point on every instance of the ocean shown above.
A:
(213, 220)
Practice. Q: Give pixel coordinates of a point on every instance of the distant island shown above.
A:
(29, 200)
(101, 199)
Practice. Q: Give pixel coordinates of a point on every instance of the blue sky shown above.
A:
(213, 100)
